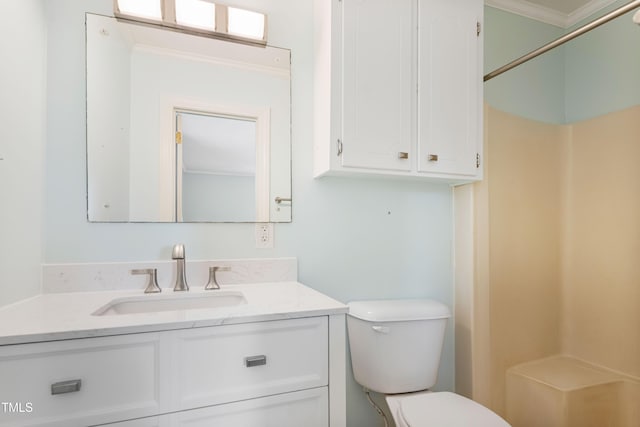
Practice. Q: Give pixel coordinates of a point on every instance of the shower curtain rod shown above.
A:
(562, 40)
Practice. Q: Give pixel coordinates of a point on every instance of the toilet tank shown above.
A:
(396, 344)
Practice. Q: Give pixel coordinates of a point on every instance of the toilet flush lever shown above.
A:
(381, 329)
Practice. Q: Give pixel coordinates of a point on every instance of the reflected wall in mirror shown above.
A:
(146, 87)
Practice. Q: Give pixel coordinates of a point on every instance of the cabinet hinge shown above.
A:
(339, 147)
(477, 160)
(478, 28)
(178, 138)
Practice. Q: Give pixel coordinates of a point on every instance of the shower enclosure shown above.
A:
(548, 299)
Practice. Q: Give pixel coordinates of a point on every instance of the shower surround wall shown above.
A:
(556, 229)
(563, 204)
(602, 273)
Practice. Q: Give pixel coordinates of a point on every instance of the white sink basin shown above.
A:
(179, 301)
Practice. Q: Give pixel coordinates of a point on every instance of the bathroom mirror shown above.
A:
(183, 128)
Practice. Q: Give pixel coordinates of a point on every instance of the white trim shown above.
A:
(530, 10)
(262, 116)
(337, 371)
(263, 163)
(179, 160)
(193, 56)
(587, 10)
(548, 15)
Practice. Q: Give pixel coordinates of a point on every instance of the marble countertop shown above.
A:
(59, 316)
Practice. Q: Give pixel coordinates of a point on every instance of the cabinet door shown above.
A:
(378, 83)
(449, 85)
(308, 408)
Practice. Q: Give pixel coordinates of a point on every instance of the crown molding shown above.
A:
(530, 10)
(587, 10)
(548, 15)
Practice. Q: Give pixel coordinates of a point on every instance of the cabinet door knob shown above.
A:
(403, 155)
(433, 157)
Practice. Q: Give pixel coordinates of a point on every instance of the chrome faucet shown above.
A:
(181, 278)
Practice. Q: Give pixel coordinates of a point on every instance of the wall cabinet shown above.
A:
(398, 88)
(273, 373)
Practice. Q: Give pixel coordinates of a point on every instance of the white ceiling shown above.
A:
(561, 13)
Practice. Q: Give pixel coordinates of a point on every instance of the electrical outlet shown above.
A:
(264, 235)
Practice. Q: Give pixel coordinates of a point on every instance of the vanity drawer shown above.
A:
(308, 408)
(234, 362)
(80, 382)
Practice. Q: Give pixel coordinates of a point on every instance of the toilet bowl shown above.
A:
(395, 350)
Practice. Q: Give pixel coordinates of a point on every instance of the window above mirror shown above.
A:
(202, 17)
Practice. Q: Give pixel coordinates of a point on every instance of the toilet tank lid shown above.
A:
(398, 310)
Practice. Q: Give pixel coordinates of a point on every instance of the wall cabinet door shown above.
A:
(378, 44)
(450, 93)
(399, 88)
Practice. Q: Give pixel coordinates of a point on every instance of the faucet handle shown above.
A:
(213, 283)
(152, 285)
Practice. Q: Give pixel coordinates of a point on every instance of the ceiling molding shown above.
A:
(548, 15)
(530, 10)
(587, 10)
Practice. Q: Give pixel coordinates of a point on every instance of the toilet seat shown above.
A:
(445, 409)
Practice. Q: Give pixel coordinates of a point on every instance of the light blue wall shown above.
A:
(227, 198)
(22, 120)
(594, 74)
(603, 68)
(534, 90)
(354, 238)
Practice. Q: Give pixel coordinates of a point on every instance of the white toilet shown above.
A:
(395, 350)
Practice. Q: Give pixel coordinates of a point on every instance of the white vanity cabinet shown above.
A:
(261, 374)
(398, 88)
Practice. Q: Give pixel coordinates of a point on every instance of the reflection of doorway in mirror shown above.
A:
(221, 162)
(136, 78)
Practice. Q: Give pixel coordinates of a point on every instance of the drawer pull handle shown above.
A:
(252, 361)
(66, 387)
(433, 157)
(403, 155)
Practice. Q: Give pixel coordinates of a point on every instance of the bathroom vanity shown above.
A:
(274, 357)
